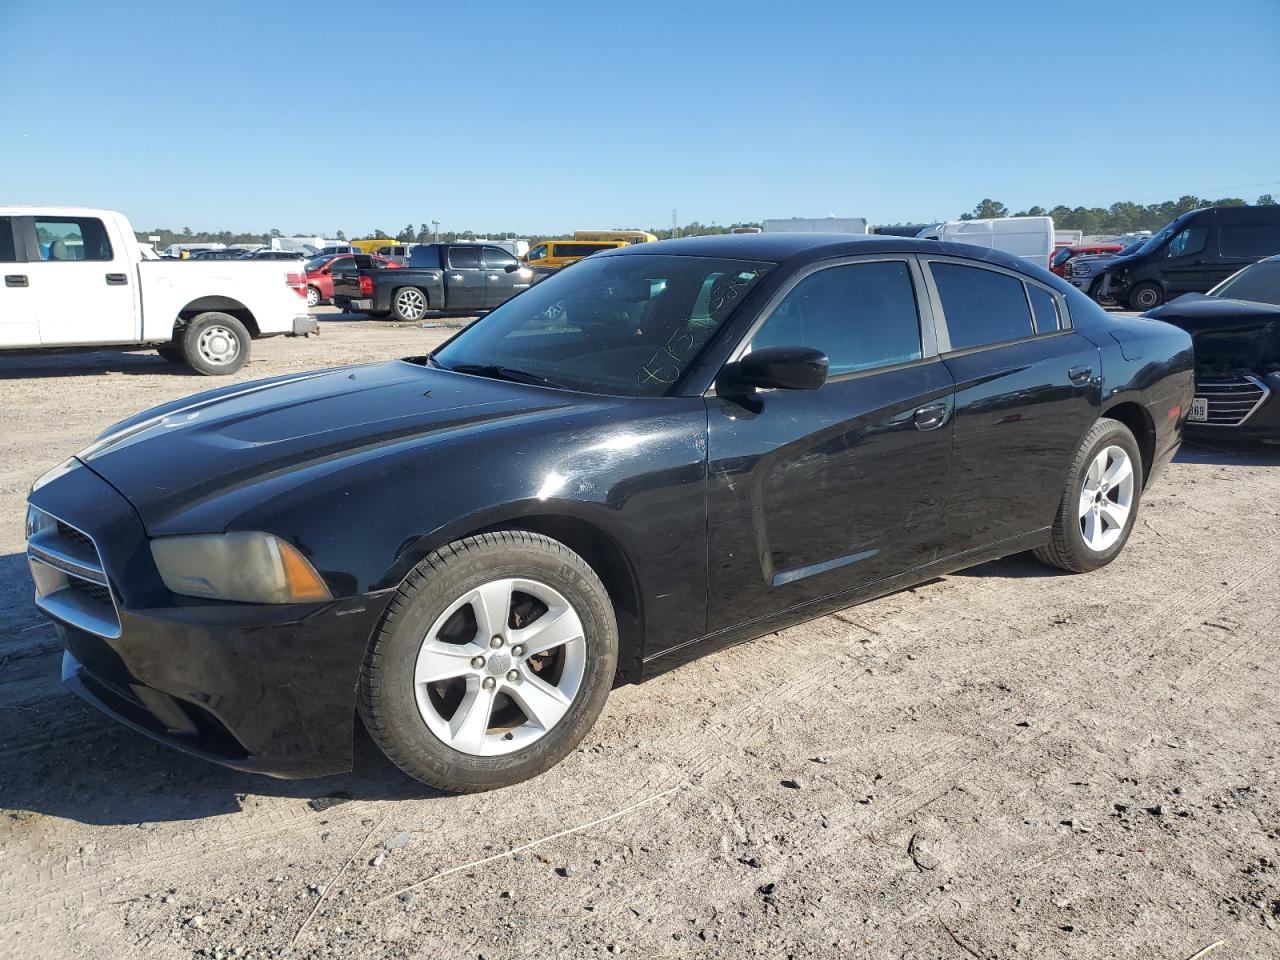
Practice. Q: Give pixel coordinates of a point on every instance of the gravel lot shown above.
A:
(1003, 762)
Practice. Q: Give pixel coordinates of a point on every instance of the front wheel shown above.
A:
(494, 660)
(409, 304)
(215, 344)
(1100, 501)
(1146, 296)
(1100, 298)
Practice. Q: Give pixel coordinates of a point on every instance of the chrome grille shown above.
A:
(1231, 400)
(71, 584)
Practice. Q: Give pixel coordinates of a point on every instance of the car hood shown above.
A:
(1227, 334)
(172, 457)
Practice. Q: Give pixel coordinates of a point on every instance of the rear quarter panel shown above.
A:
(170, 286)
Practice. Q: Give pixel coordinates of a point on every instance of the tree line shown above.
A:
(1121, 217)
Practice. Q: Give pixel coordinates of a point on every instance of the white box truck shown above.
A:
(75, 276)
(817, 225)
(1030, 238)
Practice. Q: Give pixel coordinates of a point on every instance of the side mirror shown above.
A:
(511, 267)
(774, 368)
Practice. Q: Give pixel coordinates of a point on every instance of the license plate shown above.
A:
(1199, 409)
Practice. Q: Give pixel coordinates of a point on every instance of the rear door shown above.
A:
(503, 276)
(84, 283)
(815, 493)
(19, 324)
(464, 279)
(1027, 391)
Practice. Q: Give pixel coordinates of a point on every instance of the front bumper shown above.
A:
(264, 688)
(1242, 407)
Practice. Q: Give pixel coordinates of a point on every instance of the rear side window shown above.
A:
(7, 252)
(464, 258)
(578, 249)
(1250, 241)
(861, 315)
(981, 306)
(1044, 309)
(75, 238)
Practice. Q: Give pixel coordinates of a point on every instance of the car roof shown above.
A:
(800, 248)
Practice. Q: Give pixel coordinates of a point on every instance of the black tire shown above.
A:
(172, 353)
(1067, 549)
(215, 344)
(409, 304)
(313, 296)
(1146, 296)
(1098, 297)
(387, 700)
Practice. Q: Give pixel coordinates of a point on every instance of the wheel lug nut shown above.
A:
(513, 675)
(487, 683)
(496, 642)
(477, 662)
(517, 651)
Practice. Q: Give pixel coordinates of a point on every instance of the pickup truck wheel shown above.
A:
(313, 297)
(1100, 501)
(1100, 298)
(409, 304)
(172, 354)
(494, 659)
(1146, 296)
(215, 344)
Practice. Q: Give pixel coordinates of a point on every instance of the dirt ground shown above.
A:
(1004, 762)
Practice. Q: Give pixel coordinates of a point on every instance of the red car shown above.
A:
(1063, 255)
(320, 274)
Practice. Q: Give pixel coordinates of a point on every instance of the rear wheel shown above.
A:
(215, 344)
(171, 353)
(1146, 296)
(313, 296)
(495, 659)
(409, 304)
(1100, 501)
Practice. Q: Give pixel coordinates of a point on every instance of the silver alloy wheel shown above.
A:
(218, 345)
(411, 304)
(501, 688)
(313, 297)
(1106, 498)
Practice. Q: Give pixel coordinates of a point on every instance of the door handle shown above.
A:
(1080, 374)
(455, 276)
(116, 280)
(492, 276)
(15, 280)
(931, 417)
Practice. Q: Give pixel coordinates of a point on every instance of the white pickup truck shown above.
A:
(75, 276)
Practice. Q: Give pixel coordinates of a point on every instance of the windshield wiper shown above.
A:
(499, 372)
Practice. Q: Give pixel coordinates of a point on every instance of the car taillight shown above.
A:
(298, 283)
(366, 286)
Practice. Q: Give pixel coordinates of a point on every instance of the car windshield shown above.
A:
(621, 325)
(1259, 283)
(1062, 256)
(315, 263)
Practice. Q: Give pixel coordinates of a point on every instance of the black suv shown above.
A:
(1195, 252)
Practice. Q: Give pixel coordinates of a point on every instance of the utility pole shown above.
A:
(435, 230)
(675, 230)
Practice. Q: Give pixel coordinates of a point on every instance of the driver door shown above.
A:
(816, 493)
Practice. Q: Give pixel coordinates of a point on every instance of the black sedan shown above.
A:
(1236, 331)
(669, 448)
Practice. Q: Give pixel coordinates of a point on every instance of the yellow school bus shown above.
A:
(626, 236)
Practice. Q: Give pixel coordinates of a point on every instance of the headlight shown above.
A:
(247, 567)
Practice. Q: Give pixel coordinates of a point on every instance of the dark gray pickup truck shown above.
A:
(443, 277)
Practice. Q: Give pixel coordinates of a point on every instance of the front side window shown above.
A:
(1259, 283)
(1187, 242)
(981, 306)
(1250, 241)
(495, 259)
(8, 254)
(861, 315)
(75, 238)
(464, 258)
(537, 253)
(627, 326)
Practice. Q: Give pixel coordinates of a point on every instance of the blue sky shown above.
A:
(355, 115)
